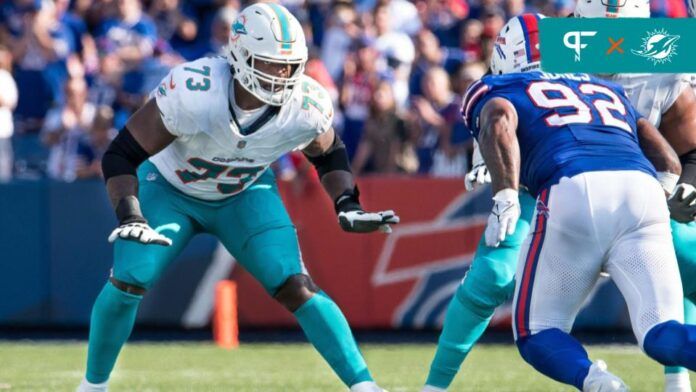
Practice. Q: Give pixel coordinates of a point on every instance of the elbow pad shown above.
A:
(123, 156)
(335, 158)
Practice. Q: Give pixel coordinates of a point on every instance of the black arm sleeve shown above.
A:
(335, 158)
(123, 156)
(688, 162)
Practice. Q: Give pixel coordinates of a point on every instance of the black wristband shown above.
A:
(348, 201)
(128, 211)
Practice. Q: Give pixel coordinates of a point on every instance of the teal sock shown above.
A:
(327, 329)
(689, 318)
(462, 329)
(113, 316)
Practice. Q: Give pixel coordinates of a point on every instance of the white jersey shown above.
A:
(651, 94)
(212, 158)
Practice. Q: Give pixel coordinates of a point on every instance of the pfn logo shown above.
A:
(576, 43)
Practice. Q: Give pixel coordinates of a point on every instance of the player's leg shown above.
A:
(677, 377)
(257, 230)
(488, 283)
(136, 268)
(684, 239)
(643, 264)
(559, 265)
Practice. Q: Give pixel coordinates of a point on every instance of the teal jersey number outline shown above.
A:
(199, 86)
(210, 170)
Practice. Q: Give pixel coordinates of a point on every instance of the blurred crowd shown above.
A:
(73, 71)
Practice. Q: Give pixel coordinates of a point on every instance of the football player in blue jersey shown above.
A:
(578, 137)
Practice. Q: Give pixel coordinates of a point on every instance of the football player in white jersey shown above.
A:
(202, 147)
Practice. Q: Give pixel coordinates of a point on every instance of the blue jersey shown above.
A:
(567, 124)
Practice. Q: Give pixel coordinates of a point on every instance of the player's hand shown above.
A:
(359, 221)
(503, 219)
(478, 176)
(139, 232)
(682, 203)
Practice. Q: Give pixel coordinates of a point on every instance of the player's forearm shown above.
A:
(123, 194)
(329, 156)
(502, 159)
(657, 149)
(337, 182)
(499, 147)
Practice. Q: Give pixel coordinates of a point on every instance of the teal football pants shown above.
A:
(684, 237)
(255, 227)
(488, 284)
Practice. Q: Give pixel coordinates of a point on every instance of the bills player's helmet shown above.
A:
(692, 8)
(266, 32)
(516, 47)
(613, 8)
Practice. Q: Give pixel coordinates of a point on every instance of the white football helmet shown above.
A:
(613, 9)
(266, 32)
(517, 45)
(692, 8)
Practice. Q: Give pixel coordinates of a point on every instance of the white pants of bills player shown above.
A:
(612, 221)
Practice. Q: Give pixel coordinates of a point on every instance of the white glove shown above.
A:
(682, 203)
(359, 221)
(503, 219)
(479, 174)
(139, 232)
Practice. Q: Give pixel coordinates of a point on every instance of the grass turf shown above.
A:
(28, 366)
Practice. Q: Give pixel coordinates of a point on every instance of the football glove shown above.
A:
(682, 203)
(139, 232)
(503, 218)
(479, 174)
(354, 219)
(359, 221)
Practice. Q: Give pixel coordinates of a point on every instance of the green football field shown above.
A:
(28, 366)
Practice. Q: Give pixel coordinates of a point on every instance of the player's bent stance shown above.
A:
(599, 208)
(209, 136)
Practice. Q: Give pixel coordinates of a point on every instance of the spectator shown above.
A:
(397, 54)
(220, 32)
(404, 16)
(383, 143)
(40, 49)
(430, 54)
(172, 24)
(472, 32)
(443, 18)
(467, 74)
(338, 39)
(64, 128)
(442, 141)
(91, 147)
(359, 79)
(82, 42)
(8, 101)
(130, 37)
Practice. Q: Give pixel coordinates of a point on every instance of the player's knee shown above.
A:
(483, 298)
(127, 287)
(295, 291)
(669, 341)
